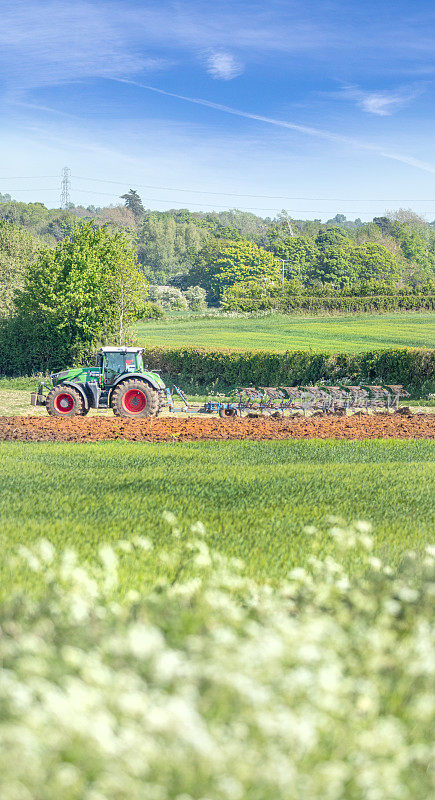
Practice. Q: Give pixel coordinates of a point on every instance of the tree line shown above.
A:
(214, 250)
(71, 279)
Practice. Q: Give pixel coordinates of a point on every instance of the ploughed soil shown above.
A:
(167, 429)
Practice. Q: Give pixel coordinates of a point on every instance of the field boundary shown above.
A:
(413, 368)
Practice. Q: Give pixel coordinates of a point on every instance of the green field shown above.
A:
(281, 332)
(253, 497)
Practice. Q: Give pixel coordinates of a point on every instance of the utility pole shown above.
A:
(64, 188)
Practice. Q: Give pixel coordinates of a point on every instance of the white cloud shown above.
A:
(382, 103)
(223, 66)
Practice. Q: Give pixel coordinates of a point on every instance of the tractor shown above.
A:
(118, 381)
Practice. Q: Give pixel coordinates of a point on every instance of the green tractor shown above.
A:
(118, 381)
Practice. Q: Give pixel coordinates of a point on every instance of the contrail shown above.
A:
(309, 131)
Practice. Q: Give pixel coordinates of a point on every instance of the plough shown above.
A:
(296, 399)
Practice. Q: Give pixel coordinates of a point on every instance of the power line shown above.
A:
(258, 208)
(234, 194)
(66, 184)
(174, 202)
(27, 177)
(39, 189)
(206, 191)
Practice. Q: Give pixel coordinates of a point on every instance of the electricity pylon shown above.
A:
(64, 188)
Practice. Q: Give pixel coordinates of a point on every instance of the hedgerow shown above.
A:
(411, 367)
(207, 684)
(261, 301)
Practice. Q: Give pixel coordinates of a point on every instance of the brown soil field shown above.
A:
(167, 429)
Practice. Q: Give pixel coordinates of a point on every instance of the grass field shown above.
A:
(279, 332)
(253, 497)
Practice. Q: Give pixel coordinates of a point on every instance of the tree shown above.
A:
(374, 262)
(406, 215)
(301, 255)
(134, 203)
(18, 250)
(221, 264)
(83, 292)
(385, 224)
(167, 247)
(334, 264)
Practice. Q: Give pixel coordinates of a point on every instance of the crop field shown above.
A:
(280, 332)
(253, 497)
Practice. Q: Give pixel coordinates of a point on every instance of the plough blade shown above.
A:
(328, 399)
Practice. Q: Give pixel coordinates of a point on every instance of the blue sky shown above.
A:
(274, 101)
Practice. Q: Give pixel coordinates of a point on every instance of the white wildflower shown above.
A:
(144, 640)
(46, 551)
(108, 557)
(198, 529)
(142, 542)
(169, 517)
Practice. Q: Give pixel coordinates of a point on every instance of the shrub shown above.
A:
(195, 297)
(151, 311)
(168, 297)
(210, 684)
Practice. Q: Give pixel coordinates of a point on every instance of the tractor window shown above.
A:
(115, 364)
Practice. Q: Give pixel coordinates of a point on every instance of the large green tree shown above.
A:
(300, 256)
(167, 247)
(133, 202)
(334, 264)
(82, 292)
(221, 264)
(374, 262)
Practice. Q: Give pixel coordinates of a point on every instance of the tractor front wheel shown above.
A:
(135, 399)
(63, 401)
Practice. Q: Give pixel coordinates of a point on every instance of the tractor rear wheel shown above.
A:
(63, 401)
(135, 399)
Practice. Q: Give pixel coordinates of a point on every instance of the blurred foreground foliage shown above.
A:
(209, 684)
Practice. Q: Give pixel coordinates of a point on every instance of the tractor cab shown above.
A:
(115, 361)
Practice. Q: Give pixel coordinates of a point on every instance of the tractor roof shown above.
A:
(121, 349)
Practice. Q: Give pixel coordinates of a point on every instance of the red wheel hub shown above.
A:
(134, 401)
(64, 403)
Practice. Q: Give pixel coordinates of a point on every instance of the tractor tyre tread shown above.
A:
(78, 409)
(152, 407)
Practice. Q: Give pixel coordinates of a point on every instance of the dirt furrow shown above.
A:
(166, 429)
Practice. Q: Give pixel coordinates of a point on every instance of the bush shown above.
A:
(168, 297)
(195, 297)
(211, 684)
(151, 311)
(413, 368)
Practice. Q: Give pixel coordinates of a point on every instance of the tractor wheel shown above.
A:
(227, 412)
(135, 399)
(63, 401)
